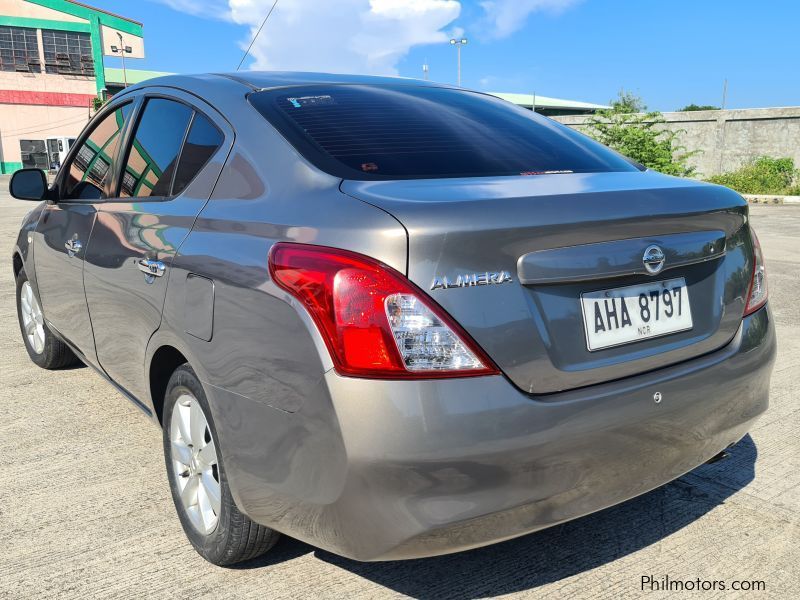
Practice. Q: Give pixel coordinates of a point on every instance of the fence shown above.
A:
(727, 139)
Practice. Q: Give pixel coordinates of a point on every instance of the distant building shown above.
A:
(115, 83)
(51, 70)
(551, 107)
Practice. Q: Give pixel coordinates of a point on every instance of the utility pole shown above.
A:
(458, 44)
(122, 50)
(724, 93)
(721, 126)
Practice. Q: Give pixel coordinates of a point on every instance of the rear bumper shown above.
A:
(431, 467)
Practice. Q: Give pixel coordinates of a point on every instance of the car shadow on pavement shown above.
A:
(559, 552)
(77, 365)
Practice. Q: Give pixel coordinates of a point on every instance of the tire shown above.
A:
(216, 528)
(44, 348)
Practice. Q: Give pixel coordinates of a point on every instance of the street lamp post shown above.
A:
(122, 50)
(458, 44)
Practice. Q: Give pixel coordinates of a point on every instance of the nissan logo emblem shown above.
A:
(653, 259)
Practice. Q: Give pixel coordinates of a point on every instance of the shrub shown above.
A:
(764, 175)
(97, 103)
(640, 136)
(693, 107)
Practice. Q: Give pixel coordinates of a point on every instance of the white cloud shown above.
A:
(504, 17)
(357, 36)
(210, 9)
(354, 36)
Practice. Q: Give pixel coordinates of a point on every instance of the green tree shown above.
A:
(693, 107)
(628, 102)
(640, 135)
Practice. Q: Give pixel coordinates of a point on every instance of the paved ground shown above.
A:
(85, 509)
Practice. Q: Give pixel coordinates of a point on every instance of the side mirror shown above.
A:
(28, 184)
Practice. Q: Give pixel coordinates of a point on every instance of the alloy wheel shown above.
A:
(32, 319)
(194, 464)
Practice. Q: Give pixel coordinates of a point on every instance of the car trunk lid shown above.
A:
(510, 258)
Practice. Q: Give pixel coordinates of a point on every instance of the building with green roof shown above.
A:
(51, 70)
(551, 106)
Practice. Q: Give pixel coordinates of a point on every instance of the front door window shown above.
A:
(91, 166)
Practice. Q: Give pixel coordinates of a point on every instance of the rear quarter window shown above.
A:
(414, 132)
(201, 143)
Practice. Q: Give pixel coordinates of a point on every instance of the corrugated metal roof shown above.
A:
(527, 100)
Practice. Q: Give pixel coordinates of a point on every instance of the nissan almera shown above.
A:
(387, 317)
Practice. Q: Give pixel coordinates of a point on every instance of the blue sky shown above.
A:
(670, 53)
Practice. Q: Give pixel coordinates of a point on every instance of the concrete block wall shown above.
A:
(727, 139)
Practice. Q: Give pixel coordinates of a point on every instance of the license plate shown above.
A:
(636, 312)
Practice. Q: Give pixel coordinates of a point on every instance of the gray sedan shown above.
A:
(391, 318)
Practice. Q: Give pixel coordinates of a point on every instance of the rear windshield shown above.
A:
(414, 132)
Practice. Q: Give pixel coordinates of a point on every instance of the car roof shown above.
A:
(260, 80)
(272, 79)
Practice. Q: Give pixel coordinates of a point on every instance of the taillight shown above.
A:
(374, 321)
(757, 294)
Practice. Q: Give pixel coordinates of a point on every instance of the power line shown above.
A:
(65, 120)
(70, 119)
(44, 125)
(255, 37)
(44, 128)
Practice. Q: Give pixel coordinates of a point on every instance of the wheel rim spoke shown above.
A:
(197, 425)
(183, 422)
(181, 453)
(204, 504)
(189, 492)
(212, 490)
(38, 340)
(208, 455)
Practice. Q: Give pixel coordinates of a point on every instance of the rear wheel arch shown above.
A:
(201, 484)
(165, 361)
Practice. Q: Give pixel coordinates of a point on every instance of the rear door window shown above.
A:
(153, 155)
(409, 131)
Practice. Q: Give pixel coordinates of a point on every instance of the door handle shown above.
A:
(151, 268)
(73, 246)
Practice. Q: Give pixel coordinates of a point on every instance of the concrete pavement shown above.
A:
(85, 510)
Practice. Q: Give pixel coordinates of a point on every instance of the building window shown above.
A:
(67, 52)
(19, 50)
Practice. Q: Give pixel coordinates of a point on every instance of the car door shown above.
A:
(64, 229)
(172, 158)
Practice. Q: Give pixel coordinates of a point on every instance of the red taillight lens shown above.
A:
(374, 321)
(757, 293)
